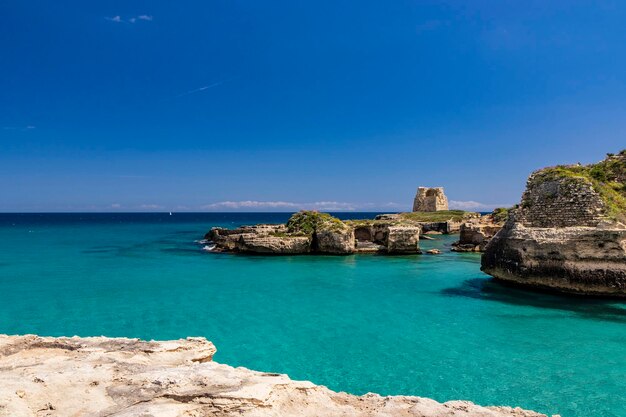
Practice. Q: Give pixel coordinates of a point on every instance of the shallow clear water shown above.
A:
(433, 326)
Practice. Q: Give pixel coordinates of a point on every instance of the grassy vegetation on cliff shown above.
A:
(409, 218)
(438, 216)
(306, 222)
(500, 214)
(607, 177)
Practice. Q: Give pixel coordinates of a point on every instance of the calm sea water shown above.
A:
(432, 326)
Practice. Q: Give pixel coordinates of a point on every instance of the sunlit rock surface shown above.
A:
(42, 376)
(568, 233)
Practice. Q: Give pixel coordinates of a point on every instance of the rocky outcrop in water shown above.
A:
(442, 221)
(402, 239)
(269, 244)
(313, 232)
(476, 233)
(335, 239)
(568, 233)
(103, 377)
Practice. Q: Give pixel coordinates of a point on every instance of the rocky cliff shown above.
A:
(568, 233)
(102, 377)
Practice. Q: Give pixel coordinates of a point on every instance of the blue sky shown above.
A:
(281, 105)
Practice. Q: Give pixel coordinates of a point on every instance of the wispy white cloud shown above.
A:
(150, 207)
(28, 127)
(203, 88)
(249, 204)
(116, 206)
(474, 205)
(133, 19)
(288, 205)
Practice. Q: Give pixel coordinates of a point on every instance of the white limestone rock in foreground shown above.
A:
(98, 376)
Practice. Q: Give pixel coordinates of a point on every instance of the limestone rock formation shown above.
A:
(430, 199)
(272, 244)
(335, 240)
(98, 377)
(403, 239)
(313, 232)
(476, 233)
(442, 221)
(231, 239)
(568, 233)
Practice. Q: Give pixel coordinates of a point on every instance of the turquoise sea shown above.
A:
(433, 326)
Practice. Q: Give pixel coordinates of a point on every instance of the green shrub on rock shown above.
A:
(500, 214)
(439, 216)
(308, 222)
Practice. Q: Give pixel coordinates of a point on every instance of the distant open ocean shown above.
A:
(432, 326)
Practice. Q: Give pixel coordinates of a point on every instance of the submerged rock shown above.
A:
(568, 233)
(99, 376)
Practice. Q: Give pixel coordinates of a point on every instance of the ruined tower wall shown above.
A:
(430, 199)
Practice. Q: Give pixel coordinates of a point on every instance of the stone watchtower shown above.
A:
(430, 199)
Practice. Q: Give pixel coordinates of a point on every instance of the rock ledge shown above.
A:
(99, 376)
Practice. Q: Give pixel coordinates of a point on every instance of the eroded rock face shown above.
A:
(340, 241)
(262, 239)
(98, 377)
(313, 232)
(403, 239)
(231, 239)
(582, 260)
(565, 235)
(476, 233)
(428, 223)
(277, 245)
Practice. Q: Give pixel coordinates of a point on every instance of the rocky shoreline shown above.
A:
(119, 377)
